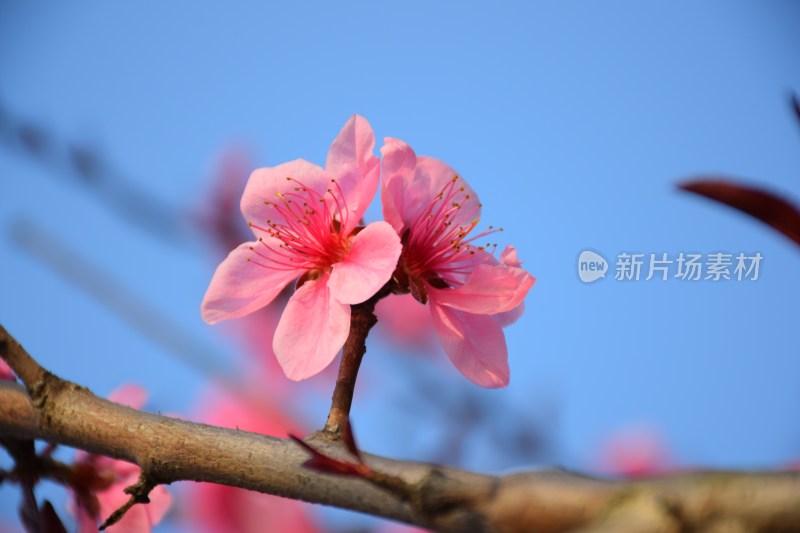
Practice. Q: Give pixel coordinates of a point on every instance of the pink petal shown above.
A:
(436, 174)
(475, 344)
(6, 374)
(160, 502)
(507, 318)
(368, 265)
(488, 290)
(219, 509)
(351, 160)
(509, 257)
(398, 169)
(216, 508)
(265, 183)
(411, 184)
(311, 331)
(130, 395)
(240, 286)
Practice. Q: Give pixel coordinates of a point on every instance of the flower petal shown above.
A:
(437, 174)
(489, 290)
(475, 344)
(6, 374)
(368, 265)
(241, 284)
(265, 183)
(351, 160)
(131, 395)
(160, 502)
(507, 318)
(398, 170)
(311, 331)
(411, 184)
(509, 257)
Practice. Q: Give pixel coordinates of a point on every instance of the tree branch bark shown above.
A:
(439, 498)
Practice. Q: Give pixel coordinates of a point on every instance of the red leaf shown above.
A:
(350, 440)
(760, 204)
(328, 465)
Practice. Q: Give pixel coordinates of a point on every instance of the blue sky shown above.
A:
(572, 120)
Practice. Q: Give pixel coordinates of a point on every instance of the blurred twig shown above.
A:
(134, 310)
(522, 435)
(85, 167)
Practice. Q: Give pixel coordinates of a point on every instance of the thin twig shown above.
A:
(362, 319)
(140, 493)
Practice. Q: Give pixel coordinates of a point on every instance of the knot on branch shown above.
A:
(48, 387)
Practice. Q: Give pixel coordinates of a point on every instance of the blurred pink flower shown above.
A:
(635, 452)
(471, 294)
(115, 476)
(5, 372)
(306, 220)
(405, 321)
(218, 508)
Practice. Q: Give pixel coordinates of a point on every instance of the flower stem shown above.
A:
(362, 318)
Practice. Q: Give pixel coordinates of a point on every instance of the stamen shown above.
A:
(303, 237)
(439, 241)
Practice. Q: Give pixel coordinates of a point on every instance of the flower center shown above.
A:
(306, 230)
(437, 246)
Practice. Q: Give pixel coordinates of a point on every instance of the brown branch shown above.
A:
(362, 319)
(439, 498)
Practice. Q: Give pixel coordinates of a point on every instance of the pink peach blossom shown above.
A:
(635, 452)
(117, 475)
(306, 223)
(6, 374)
(218, 508)
(471, 294)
